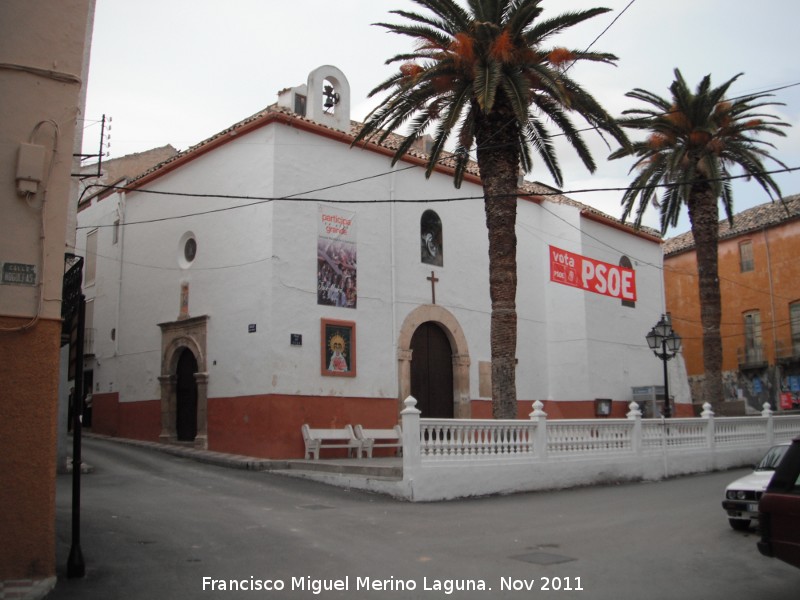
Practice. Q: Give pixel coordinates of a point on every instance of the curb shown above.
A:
(233, 461)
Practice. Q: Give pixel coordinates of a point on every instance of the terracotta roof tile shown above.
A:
(392, 142)
(764, 215)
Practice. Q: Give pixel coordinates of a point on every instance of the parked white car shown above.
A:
(742, 496)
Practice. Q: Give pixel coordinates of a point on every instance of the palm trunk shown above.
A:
(499, 164)
(704, 217)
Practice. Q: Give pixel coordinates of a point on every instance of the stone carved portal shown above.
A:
(460, 358)
(178, 337)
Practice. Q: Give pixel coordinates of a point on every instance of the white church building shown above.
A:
(275, 275)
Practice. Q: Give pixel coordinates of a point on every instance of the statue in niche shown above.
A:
(431, 248)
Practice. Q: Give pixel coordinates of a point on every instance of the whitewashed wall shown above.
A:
(103, 293)
(617, 346)
(388, 261)
(228, 280)
(257, 265)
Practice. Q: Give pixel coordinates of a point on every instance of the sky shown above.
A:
(179, 71)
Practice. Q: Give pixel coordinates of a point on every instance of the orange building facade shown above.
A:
(759, 271)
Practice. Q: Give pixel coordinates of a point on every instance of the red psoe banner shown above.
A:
(592, 275)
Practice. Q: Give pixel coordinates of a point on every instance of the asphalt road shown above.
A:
(159, 526)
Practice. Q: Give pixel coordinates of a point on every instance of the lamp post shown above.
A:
(665, 344)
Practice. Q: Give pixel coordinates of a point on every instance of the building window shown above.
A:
(187, 250)
(431, 244)
(753, 347)
(88, 329)
(746, 256)
(91, 258)
(190, 249)
(794, 319)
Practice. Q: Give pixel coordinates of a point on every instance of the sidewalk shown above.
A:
(389, 467)
(383, 475)
(233, 461)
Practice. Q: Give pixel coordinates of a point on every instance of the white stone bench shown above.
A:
(316, 439)
(379, 438)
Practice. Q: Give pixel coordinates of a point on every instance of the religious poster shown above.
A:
(568, 268)
(338, 348)
(336, 258)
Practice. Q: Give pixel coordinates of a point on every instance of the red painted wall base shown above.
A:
(133, 420)
(268, 426)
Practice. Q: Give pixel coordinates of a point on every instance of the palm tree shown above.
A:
(483, 77)
(695, 138)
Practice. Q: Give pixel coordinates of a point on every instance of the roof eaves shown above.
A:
(104, 192)
(275, 113)
(540, 192)
(756, 218)
(535, 191)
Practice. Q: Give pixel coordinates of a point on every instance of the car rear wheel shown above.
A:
(740, 524)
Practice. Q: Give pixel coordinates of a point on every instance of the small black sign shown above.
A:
(297, 339)
(251, 328)
(19, 274)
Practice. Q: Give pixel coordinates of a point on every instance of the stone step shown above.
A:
(390, 468)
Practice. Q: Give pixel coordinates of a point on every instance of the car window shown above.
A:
(772, 458)
(787, 475)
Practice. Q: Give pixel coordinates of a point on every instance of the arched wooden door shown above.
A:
(186, 397)
(432, 371)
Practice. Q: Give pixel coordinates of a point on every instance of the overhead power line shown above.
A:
(256, 200)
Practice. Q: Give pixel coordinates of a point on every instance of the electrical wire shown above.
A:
(602, 243)
(29, 197)
(778, 324)
(59, 76)
(194, 267)
(448, 157)
(567, 68)
(664, 114)
(663, 267)
(256, 200)
(610, 25)
(259, 200)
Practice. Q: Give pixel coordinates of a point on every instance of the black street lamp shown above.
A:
(662, 337)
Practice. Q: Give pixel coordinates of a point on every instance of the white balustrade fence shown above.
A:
(456, 438)
(449, 458)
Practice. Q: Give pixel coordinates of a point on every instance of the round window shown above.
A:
(187, 250)
(190, 249)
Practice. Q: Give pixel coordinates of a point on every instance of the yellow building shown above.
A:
(759, 275)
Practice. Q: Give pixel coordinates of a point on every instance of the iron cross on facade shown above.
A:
(433, 279)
